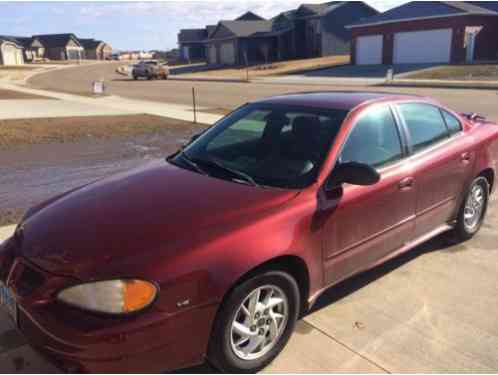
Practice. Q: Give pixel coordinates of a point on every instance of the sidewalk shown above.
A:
(298, 80)
(70, 105)
(6, 232)
(442, 83)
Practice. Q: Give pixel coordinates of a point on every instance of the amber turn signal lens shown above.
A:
(137, 294)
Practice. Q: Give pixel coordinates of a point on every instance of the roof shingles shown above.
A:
(430, 9)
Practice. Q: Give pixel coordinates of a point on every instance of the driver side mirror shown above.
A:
(353, 173)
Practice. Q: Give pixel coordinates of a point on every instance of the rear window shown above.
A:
(425, 124)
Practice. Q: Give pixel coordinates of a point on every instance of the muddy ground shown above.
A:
(41, 158)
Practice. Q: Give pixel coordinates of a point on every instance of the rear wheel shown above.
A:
(255, 322)
(473, 210)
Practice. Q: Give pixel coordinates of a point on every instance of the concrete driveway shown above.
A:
(350, 75)
(431, 310)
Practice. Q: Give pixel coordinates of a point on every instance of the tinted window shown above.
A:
(454, 126)
(246, 129)
(425, 124)
(275, 145)
(374, 140)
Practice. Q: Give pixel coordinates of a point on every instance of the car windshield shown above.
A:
(266, 145)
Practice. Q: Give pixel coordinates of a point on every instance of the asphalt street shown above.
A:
(229, 95)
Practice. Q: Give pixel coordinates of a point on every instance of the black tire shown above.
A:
(462, 231)
(135, 77)
(220, 352)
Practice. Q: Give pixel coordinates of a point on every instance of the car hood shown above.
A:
(153, 208)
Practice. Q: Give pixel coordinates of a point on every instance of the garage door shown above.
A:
(430, 46)
(212, 55)
(227, 53)
(73, 54)
(19, 57)
(369, 50)
(9, 54)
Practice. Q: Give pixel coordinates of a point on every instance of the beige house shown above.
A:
(11, 53)
(33, 48)
(96, 49)
(61, 46)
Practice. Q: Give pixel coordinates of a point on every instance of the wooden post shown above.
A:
(194, 104)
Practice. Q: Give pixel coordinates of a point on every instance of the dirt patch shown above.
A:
(11, 216)
(18, 67)
(486, 72)
(9, 94)
(14, 133)
(43, 158)
(277, 68)
(217, 111)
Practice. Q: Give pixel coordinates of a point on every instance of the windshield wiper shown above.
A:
(241, 175)
(192, 163)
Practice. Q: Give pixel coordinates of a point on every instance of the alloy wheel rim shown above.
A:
(259, 322)
(474, 208)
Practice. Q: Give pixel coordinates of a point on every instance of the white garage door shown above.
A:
(227, 53)
(9, 54)
(431, 46)
(369, 50)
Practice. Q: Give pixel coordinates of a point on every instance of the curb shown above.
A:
(462, 85)
(206, 79)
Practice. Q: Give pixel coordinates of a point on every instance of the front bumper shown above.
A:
(175, 342)
(76, 341)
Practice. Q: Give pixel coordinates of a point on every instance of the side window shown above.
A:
(374, 140)
(425, 124)
(454, 125)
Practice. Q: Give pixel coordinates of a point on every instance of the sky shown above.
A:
(136, 25)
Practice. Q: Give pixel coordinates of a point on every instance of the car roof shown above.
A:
(345, 100)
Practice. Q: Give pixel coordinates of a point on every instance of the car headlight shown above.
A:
(110, 297)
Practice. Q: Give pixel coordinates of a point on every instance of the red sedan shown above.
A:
(215, 252)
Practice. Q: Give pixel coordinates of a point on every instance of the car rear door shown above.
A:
(365, 224)
(441, 158)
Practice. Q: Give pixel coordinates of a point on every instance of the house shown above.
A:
(320, 29)
(428, 32)
(33, 49)
(61, 46)
(312, 30)
(192, 44)
(234, 42)
(96, 49)
(11, 53)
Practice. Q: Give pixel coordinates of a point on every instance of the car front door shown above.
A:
(366, 224)
(442, 160)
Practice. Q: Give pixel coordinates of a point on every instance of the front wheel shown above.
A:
(473, 210)
(255, 322)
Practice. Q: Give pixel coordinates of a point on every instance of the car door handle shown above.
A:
(406, 183)
(466, 157)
